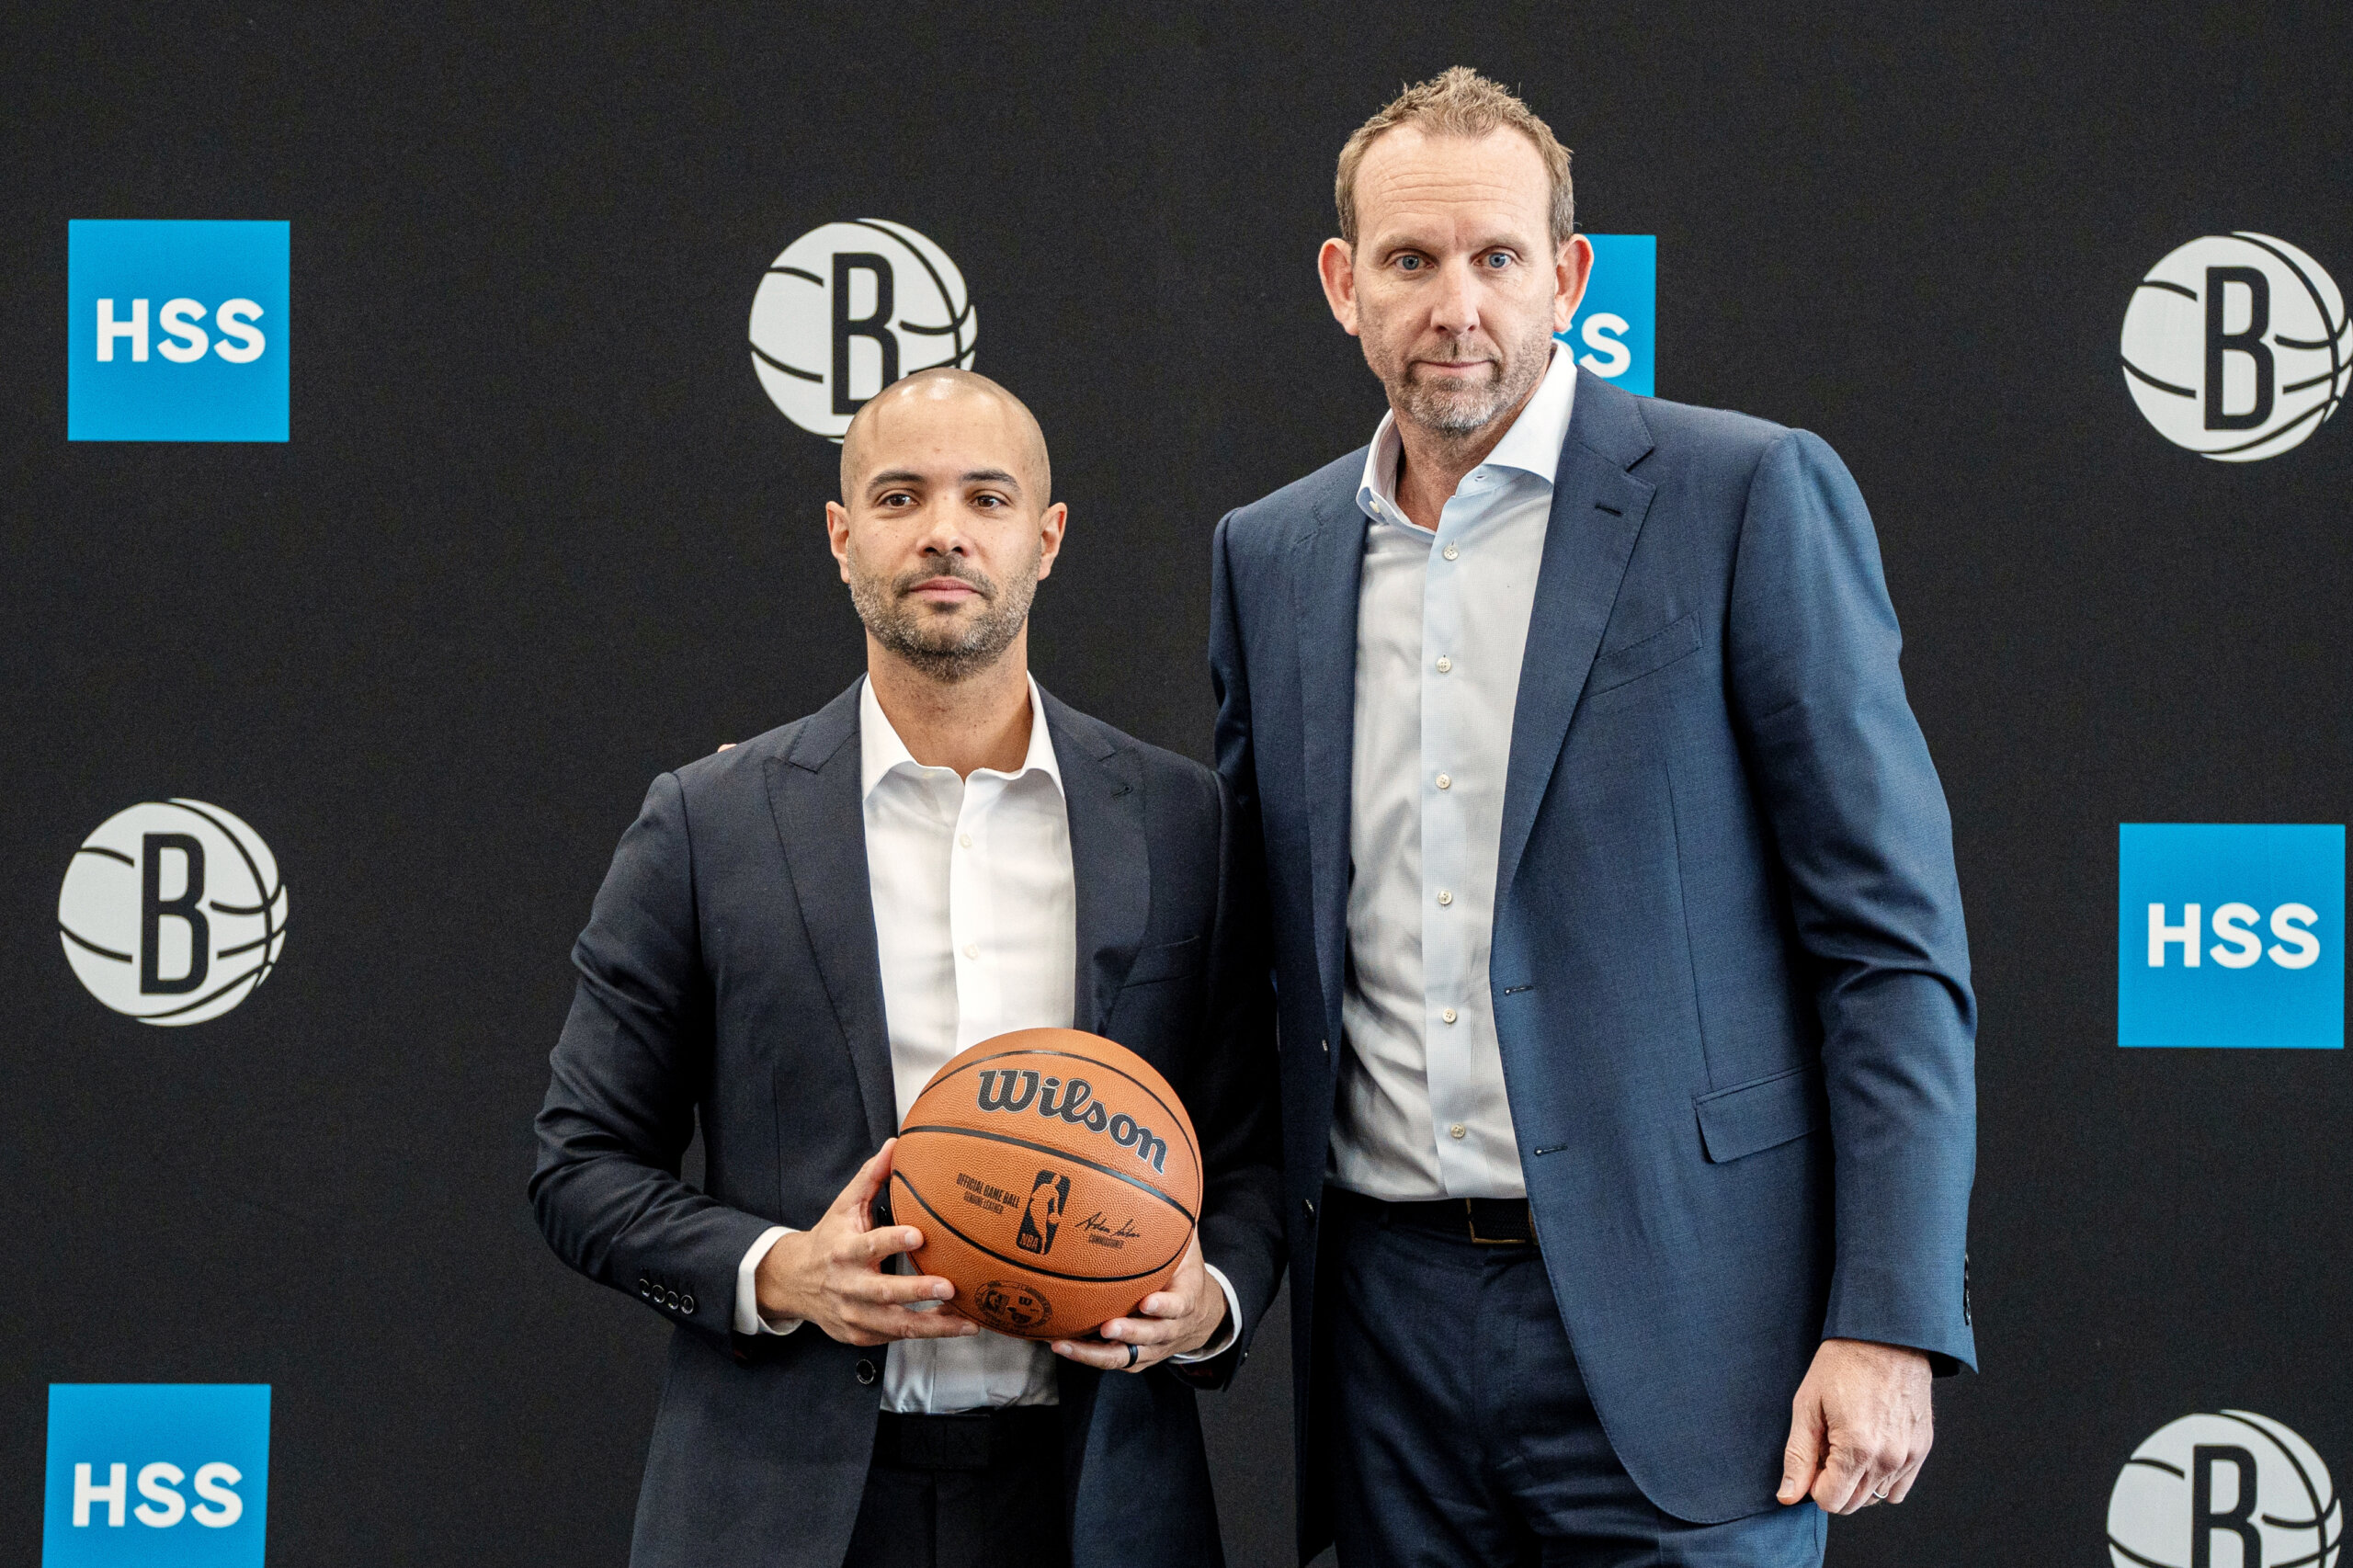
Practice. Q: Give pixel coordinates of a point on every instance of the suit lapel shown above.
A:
(1110, 859)
(1327, 567)
(815, 798)
(1598, 511)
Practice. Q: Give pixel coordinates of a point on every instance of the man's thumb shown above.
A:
(1800, 1458)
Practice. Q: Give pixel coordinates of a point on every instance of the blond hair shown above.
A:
(1460, 102)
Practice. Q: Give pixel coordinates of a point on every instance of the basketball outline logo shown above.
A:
(1014, 1305)
(182, 959)
(2237, 347)
(850, 307)
(2227, 1473)
(1036, 1238)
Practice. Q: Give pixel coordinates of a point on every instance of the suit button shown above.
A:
(686, 1304)
(1308, 1206)
(866, 1371)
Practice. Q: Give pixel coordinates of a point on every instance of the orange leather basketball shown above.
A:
(1055, 1178)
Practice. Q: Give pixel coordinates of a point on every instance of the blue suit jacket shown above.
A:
(1729, 974)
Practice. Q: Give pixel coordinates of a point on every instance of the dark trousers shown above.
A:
(1461, 1431)
(978, 1490)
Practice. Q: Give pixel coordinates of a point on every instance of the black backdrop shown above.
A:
(539, 535)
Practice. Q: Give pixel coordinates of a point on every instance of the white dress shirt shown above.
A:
(1441, 625)
(976, 928)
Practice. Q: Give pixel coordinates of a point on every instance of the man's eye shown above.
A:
(1409, 264)
(1498, 260)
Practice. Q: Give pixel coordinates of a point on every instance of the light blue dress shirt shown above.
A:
(1441, 626)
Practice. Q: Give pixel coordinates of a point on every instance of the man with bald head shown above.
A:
(795, 935)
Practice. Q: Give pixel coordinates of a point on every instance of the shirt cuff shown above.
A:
(747, 1297)
(1223, 1340)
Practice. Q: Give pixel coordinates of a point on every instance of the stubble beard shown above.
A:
(1454, 411)
(941, 646)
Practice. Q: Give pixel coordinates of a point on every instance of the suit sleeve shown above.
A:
(1234, 1103)
(1228, 684)
(1865, 842)
(1241, 1206)
(634, 1058)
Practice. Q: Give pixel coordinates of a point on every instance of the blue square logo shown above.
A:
(156, 1473)
(2230, 934)
(1613, 331)
(175, 331)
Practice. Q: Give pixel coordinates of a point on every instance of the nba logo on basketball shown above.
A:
(848, 307)
(1049, 1196)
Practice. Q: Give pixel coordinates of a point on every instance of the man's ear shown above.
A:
(1050, 538)
(1337, 264)
(1572, 270)
(837, 534)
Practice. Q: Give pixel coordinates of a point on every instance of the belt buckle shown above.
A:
(1470, 1223)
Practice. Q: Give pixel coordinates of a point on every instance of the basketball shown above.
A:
(1055, 1178)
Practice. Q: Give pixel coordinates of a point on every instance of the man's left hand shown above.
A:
(1860, 1426)
(1167, 1323)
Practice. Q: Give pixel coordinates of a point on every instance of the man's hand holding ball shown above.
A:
(830, 1274)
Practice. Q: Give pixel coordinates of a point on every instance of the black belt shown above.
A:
(1487, 1222)
(971, 1440)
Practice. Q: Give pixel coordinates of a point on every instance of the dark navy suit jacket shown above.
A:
(1729, 973)
(729, 977)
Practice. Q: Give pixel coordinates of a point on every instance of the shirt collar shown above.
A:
(1532, 446)
(882, 752)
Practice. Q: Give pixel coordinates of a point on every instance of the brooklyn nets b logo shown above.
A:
(1049, 1196)
(2230, 1490)
(2237, 347)
(849, 308)
(172, 912)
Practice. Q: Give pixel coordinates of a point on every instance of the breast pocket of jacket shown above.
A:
(1678, 638)
(1764, 1113)
(1170, 961)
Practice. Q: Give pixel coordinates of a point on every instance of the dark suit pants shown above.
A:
(1461, 1431)
(976, 1491)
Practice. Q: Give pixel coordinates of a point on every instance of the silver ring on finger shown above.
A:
(1135, 1354)
(1879, 1496)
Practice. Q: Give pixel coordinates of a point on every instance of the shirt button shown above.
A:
(972, 949)
(1458, 1131)
(1448, 1015)
(1446, 781)
(1444, 897)
(1444, 664)
(965, 839)
(1450, 552)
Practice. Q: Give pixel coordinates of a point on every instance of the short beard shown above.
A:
(1455, 414)
(945, 654)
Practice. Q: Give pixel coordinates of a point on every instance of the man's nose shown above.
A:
(1456, 310)
(943, 532)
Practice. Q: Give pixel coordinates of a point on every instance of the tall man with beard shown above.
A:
(1626, 1030)
(794, 936)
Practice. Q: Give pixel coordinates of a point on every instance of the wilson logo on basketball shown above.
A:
(1017, 1090)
